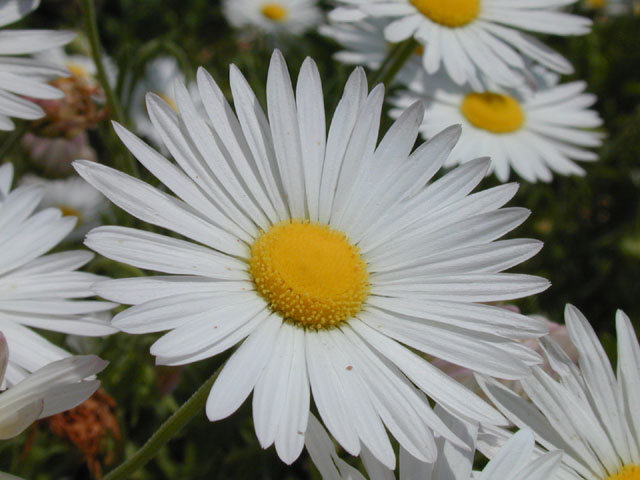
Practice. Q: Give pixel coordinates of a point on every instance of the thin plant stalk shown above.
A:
(395, 60)
(167, 430)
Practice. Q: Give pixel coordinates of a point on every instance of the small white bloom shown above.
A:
(73, 197)
(474, 40)
(52, 389)
(364, 44)
(23, 76)
(160, 76)
(38, 290)
(613, 7)
(81, 66)
(514, 461)
(290, 16)
(589, 413)
(321, 254)
(533, 134)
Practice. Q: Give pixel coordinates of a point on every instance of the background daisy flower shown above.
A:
(52, 389)
(324, 253)
(288, 16)
(535, 134)
(73, 197)
(474, 40)
(514, 461)
(22, 76)
(38, 290)
(588, 413)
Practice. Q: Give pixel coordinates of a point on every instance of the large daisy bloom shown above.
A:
(52, 389)
(324, 254)
(534, 134)
(474, 40)
(22, 76)
(38, 290)
(286, 16)
(514, 461)
(589, 412)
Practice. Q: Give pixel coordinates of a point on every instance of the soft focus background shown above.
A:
(590, 226)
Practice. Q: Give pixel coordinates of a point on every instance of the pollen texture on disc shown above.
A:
(309, 273)
(628, 472)
(449, 13)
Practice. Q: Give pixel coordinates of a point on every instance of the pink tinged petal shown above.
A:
(241, 372)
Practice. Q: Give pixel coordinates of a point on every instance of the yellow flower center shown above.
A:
(450, 13)
(68, 211)
(493, 111)
(596, 3)
(77, 70)
(169, 100)
(628, 472)
(309, 273)
(275, 11)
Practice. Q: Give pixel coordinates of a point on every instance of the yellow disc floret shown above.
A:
(275, 12)
(450, 13)
(68, 211)
(596, 3)
(309, 273)
(495, 112)
(628, 472)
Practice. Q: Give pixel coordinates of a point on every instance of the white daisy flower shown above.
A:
(613, 7)
(323, 252)
(288, 16)
(73, 197)
(23, 76)
(364, 44)
(160, 76)
(80, 66)
(514, 461)
(589, 413)
(474, 40)
(38, 290)
(52, 389)
(533, 134)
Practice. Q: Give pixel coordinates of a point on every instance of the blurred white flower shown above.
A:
(22, 76)
(534, 134)
(73, 197)
(290, 16)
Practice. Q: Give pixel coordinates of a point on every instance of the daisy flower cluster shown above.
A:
(338, 266)
(480, 68)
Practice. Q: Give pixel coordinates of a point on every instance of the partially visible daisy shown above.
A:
(37, 290)
(160, 76)
(54, 388)
(474, 40)
(613, 7)
(514, 461)
(73, 197)
(322, 253)
(288, 16)
(535, 135)
(588, 412)
(364, 44)
(80, 66)
(22, 76)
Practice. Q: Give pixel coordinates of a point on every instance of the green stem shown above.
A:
(398, 56)
(115, 108)
(12, 140)
(168, 429)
